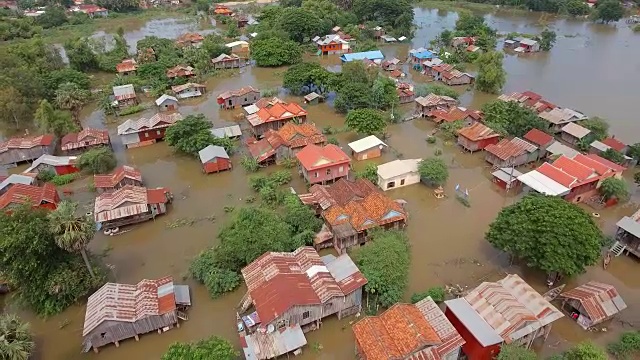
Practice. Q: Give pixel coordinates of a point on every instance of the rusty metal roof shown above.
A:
(27, 142)
(599, 300)
(157, 121)
(127, 201)
(477, 132)
(129, 303)
(507, 149)
(277, 281)
(512, 307)
(451, 339)
(84, 138)
(119, 174)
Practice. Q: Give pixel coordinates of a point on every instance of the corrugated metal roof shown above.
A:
(17, 179)
(512, 307)
(507, 149)
(127, 201)
(557, 148)
(371, 55)
(600, 301)
(51, 160)
(22, 193)
(119, 174)
(124, 92)
(129, 303)
(264, 346)
(451, 339)
(84, 138)
(477, 132)
(366, 143)
(157, 121)
(278, 281)
(345, 272)
(227, 131)
(212, 152)
(164, 98)
(629, 225)
(543, 184)
(507, 175)
(576, 130)
(26, 142)
(473, 322)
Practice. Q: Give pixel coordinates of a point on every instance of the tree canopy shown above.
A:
(16, 340)
(547, 39)
(598, 126)
(438, 89)
(585, 351)
(99, 160)
(433, 171)
(307, 77)
(515, 352)
(49, 278)
(613, 155)
(208, 349)
(360, 87)
(608, 11)
(193, 134)
(548, 233)
(366, 121)
(49, 120)
(509, 118)
(614, 188)
(384, 262)
(491, 75)
(275, 51)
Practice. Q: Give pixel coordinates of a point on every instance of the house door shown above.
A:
(170, 107)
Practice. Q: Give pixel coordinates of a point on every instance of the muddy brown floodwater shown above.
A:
(592, 68)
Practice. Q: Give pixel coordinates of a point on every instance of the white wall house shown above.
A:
(398, 173)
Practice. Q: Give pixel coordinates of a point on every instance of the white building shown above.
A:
(398, 173)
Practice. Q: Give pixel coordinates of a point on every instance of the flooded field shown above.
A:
(593, 68)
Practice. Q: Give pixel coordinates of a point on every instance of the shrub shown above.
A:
(436, 293)
(627, 346)
(131, 110)
(60, 180)
(249, 164)
(46, 175)
(97, 161)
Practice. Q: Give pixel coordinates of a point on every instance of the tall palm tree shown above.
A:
(16, 342)
(70, 96)
(72, 233)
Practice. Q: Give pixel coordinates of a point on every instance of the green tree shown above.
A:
(214, 46)
(208, 349)
(491, 75)
(384, 94)
(370, 172)
(301, 218)
(217, 280)
(16, 341)
(613, 155)
(549, 233)
(193, 134)
(14, 109)
(487, 41)
(275, 52)
(99, 160)
(53, 121)
(515, 352)
(608, 11)
(436, 294)
(585, 351)
(353, 96)
(366, 121)
(433, 171)
(577, 8)
(547, 39)
(251, 233)
(53, 79)
(71, 232)
(232, 30)
(305, 77)
(627, 347)
(384, 262)
(301, 24)
(437, 89)
(70, 96)
(634, 151)
(509, 118)
(444, 39)
(48, 278)
(119, 5)
(52, 17)
(614, 188)
(598, 126)
(81, 56)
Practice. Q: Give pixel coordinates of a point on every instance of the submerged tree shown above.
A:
(598, 126)
(16, 341)
(193, 134)
(614, 188)
(53, 121)
(613, 155)
(547, 39)
(70, 96)
(491, 75)
(99, 160)
(275, 51)
(71, 232)
(515, 352)
(548, 233)
(208, 349)
(608, 11)
(433, 171)
(509, 118)
(366, 121)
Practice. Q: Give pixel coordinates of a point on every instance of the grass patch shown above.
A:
(132, 110)
(60, 180)
(465, 5)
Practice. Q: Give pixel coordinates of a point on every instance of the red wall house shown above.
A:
(472, 347)
(214, 159)
(45, 197)
(477, 136)
(320, 165)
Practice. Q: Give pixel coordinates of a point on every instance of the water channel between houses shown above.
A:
(593, 68)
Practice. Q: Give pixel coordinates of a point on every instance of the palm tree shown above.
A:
(71, 97)
(16, 342)
(72, 233)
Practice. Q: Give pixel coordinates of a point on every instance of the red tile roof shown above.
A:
(189, 38)
(261, 150)
(109, 181)
(296, 135)
(22, 193)
(397, 333)
(477, 132)
(610, 164)
(129, 303)
(275, 112)
(127, 65)
(341, 192)
(27, 142)
(315, 157)
(600, 168)
(575, 168)
(375, 209)
(277, 281)
(84, 138)
(557, 175)
(614, 143)
(180, 71)
(506, 149)
(538, 137)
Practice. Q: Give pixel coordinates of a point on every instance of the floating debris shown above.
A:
(180, 222)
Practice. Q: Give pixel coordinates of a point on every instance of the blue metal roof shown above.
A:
(371, 55)
(426, 54)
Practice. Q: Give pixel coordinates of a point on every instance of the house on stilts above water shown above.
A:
(592, 303)
(118, 312)
(130, 205)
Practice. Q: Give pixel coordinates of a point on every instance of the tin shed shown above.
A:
(592, 303)
(214, 159)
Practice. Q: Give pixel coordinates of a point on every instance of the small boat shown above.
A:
(107, 231)
(553, 293)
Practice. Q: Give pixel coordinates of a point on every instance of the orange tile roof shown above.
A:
(189, 38)
(574, 168)
(375, 209)
(538, 137)
(557, 175)
(180, 71)
(119, 174)
(477, 132)
(86, 137)
(299, 135)
(127, 65)
(22, 193)
(397, 333)
(610, 164)
(275, 112)
(311, 155)
(454, 114)
(614, 143)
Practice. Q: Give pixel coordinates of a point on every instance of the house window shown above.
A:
(306, 315)
(316, 174)
(245, 99)
(341, 169)
(401, 182)
(391, 184)
(328, 171)
(158, 132)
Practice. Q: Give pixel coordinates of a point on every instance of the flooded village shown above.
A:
(158, 208)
